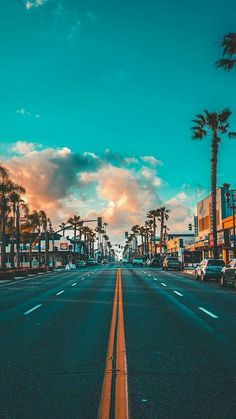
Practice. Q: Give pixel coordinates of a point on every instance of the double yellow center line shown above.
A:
(120, 370)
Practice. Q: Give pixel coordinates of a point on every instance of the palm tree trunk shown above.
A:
(3, 234)
(213, 215)
(154, 234)
(39, 250)
(161, 230)
(30, 253)
(18, 238)
(74, 241)
(46, 248)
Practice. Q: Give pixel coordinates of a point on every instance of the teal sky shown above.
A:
(126, 75)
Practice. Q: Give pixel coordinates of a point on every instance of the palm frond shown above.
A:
(224, 115)
(226, 63)
(229, 43)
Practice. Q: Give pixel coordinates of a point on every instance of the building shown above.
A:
(204, 239)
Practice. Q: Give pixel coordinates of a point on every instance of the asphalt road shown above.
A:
(62, 338)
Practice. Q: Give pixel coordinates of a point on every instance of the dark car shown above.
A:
(228, 275)
(154, 262)
(209, 268)
(171, 263)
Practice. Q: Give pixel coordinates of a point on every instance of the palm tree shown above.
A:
(74, 221)
(154, 215)
(213, 124)
(6, 187)
(17, 205)
(33, 226)
(62, 225)
(228, 43)
(44, 225)
(163, 217)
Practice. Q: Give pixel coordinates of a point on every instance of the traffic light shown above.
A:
(126, 235)
(100, 222)
(190, 227)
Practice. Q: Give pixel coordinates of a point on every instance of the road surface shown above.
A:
(116, 342)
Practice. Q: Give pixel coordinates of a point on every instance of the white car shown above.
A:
(70, 267)
(137, 261)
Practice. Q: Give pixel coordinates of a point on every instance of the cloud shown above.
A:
(152, 160)
(122, 189)
(23, 147)
(91, 16)
(73, 30)
(30, 4)
(24, 112)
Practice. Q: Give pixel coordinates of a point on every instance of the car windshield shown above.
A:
(215, 262)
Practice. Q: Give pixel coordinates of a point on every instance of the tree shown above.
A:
(154, 214)
(164, 215)
(228, 43)
(33, 226)
(74, 221)
(213, 124)
(18, 205)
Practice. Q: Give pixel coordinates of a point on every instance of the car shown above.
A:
(70, 267)
(171, 262)
(91, 261)
(137, 261)
(81, 263)
(228, 274)
(155, 262)
(209, 268)
(104, 262)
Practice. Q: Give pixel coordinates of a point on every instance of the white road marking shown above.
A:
(208, 312)
(164, 285)
(155, 279)
(149, 275)
(60, 292)
(178, 293)
(74, 284)
(82, 279)
(32, 309)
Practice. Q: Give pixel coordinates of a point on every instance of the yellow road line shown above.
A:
(104, 408)
(121, 387)
(121, 396)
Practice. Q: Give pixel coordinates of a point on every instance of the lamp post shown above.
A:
(231, 203)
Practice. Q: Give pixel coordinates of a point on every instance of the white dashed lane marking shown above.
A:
(32, 309)
(208, 313)
(164, 285)
(178, 293)
(60, 292)
(74, 284)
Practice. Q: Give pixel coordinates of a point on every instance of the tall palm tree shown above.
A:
(44, 228)
(154, 215)
(164, 215)
(74, 221)
(62, 225)
(18, 205)
(228, 43)
(6, 187)
(213, 125)
(33, 226)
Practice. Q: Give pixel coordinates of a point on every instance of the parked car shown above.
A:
(209, 268)
(228, 274)
(171, 262)
(104, 262)
(92, 261)
(154, 262)
(137, 261)
(81, 263)
(70, 267)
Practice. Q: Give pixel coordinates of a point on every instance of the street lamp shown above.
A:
(231, 203)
